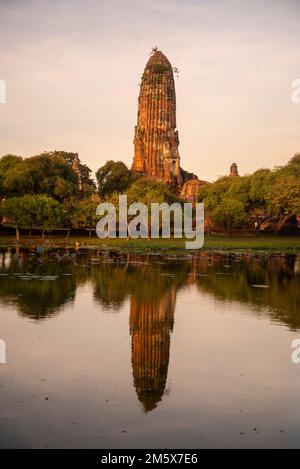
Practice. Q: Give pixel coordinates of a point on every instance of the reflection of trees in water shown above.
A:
(110, 286)
(113, 277)
(151, 284)
(116, 276)
(282, 297)
(141, 279)
(36, 298)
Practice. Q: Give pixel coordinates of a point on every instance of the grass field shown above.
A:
(265, 243)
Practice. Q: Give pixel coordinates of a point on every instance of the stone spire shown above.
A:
(233, 170)
(76, 168)
(156, 138)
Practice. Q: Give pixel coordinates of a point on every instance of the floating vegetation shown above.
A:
(49, 277)
(260, 286)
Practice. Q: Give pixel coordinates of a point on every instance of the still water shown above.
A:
(119, 350)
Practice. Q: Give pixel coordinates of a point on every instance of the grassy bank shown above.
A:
(268, 243)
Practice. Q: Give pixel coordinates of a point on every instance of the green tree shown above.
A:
(69, 209)
(262, 195)
(292, 168)
(283, 199)
(83, 216)
(13, 209)
(30, 210)
(147, 191)
(260, 183)
(88, 185)
(230, 213)
(212, 194)
(9, 161)
(41, 174)
(226, 202)
(114, 176)
(48, 213)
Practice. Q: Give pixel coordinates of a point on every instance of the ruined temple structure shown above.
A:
(76, 167)
(233, 170)
(156, 139)
(190, 190)
(151, 325)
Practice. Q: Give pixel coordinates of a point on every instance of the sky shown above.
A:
(72, 70)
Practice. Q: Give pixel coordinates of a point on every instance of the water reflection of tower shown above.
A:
(151, 324)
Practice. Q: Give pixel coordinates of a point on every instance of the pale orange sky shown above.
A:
(72, 71)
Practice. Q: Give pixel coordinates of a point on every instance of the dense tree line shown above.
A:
(55, 189)
(236, 202)
(46, 191)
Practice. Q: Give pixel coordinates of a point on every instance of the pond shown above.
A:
(149, 350)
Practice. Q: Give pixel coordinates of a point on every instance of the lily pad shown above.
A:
(260, 286)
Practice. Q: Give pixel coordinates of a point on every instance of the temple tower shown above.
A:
(156, 140)
(76, 168)
(233, 170)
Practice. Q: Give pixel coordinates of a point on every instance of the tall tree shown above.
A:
(86, 184)
(283, 199)
(114, 176)
(230, 213)
(48, 213)
(41, 174)
(84, 214)
(32, 211)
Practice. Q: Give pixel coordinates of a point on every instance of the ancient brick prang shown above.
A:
(190, 190)
(156, 140)
(76, 167)
(233, 170)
